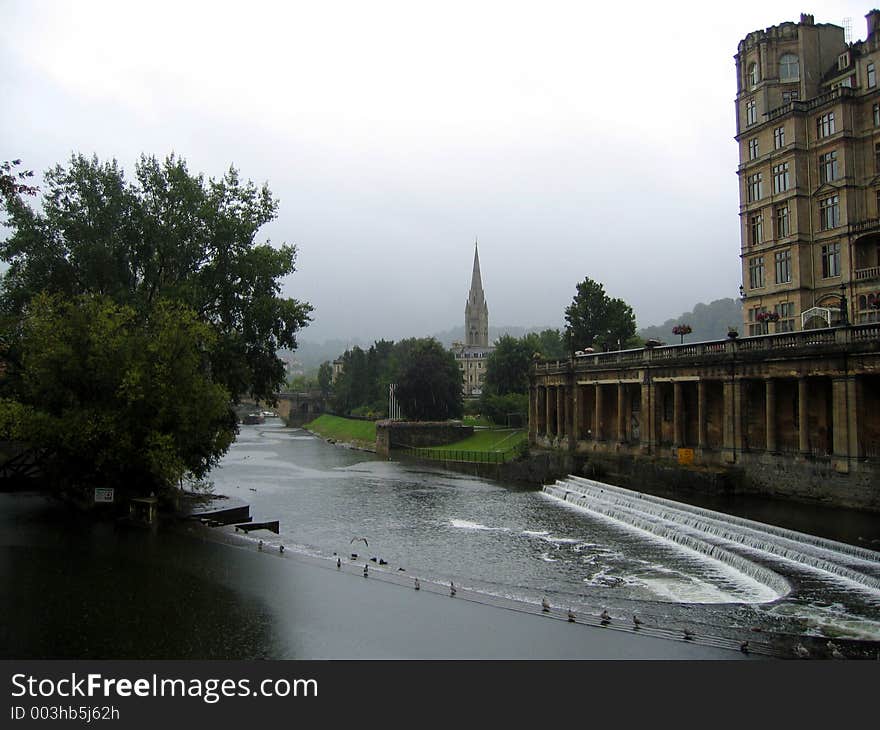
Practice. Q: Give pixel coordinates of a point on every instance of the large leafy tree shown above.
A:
(116, 398)
(594, 318)
(171, 235)
(507, 368)
(429, 382)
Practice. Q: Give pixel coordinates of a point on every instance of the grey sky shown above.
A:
(573, 140)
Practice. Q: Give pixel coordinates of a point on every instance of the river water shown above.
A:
(410, 520)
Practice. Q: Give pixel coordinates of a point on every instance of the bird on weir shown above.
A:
(571, 616)
(744, 647)
(605, 616)
(366, 570)
(451, 588)
(338, 563)
(417, 585)
(688, 635)
(545, 604)
(281, 549)
(636, 621)
(260, 545)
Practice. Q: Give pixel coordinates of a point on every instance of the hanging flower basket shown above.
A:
(681, 330)
(767, 316)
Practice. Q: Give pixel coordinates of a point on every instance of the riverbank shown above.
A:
(350, 432)
(200, 593)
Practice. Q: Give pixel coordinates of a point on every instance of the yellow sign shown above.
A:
(685, 456)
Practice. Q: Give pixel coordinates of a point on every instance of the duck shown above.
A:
(383, 562)
(605, 616)
(636, 621)
(338, 563)
(373, 559)
(451, 588)
(281, 549)
(688, 635)
(744, 647)
(571, 616)
(366, 570)
(545, 604)
(354, 556)
(260, 545)
(416, 584)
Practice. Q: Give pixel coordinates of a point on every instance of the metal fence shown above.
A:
(469, 457)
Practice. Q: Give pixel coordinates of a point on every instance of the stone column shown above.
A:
(854, 404)
(770, 413)
(701, 414)
(621, 423)
(739, 411)
(646, 426)
(677, 415)
(533, 413)
(803, 416)
(560, 411)
(840, 425)
(729, 441)
(597, 435)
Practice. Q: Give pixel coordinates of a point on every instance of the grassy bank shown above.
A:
(495, 439)
(347, 430)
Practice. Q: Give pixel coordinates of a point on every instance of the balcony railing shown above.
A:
(784, 341)
(872, 272)
(841, 92)
(866, 226)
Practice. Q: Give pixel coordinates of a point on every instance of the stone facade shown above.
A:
(808, 128)
(795, 414)
(472, 353)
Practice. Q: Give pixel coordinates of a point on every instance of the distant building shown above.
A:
(472, 353)
(808, 128)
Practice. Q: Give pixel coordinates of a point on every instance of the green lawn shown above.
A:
(348, 430)
(494, 439)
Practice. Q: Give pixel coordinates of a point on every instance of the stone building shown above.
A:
(472, 353)
(808, 128)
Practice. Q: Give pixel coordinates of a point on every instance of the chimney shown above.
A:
(807, 19)
(873, 19)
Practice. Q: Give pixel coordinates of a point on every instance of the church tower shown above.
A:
(476, 312)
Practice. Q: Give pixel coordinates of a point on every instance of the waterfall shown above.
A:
(729, 539)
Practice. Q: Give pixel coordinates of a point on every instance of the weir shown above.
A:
(735, 541)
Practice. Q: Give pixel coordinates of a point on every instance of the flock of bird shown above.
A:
(605, 618)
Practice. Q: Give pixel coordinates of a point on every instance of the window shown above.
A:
(783, 266)
(753, 74)
(872, 76)
(877, 157)
(825, 125)
(753, 149)
(754, 187)
(780, 178)
(828, 167)
(782, 221)
(843, 61)
(869, 308)
(751, 112)
(756, 272)
(830, 260)
(876, 115)
(779, 138)
(789, 96)
(756, 326)
(829, 213)
(756, 228)
(785, 310)
(789, 68)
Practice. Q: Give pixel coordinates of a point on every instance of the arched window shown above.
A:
(789, 68)
(753, 74)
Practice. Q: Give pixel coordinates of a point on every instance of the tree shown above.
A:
(115, 398)
(507, 368)
(550, 344)
(12, 182)
(168, 235)
(325, 378)
(429, 382)
(594, 318)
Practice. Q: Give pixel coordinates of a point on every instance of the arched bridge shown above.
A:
(301, 407)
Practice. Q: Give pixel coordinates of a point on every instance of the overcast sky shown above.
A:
(572, 139)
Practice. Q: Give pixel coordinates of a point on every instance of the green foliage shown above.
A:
(325, 378)
(167, 235)
(429, 382)
(117, 398)
(501, 408)
(344, 429)
(593, 318)
(549, 344)
(507, 367)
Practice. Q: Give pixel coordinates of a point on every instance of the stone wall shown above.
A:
(393, 434)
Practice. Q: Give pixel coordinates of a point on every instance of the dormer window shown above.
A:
(843, 61)
(789, 68)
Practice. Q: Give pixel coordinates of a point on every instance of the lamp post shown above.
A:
(844, 306)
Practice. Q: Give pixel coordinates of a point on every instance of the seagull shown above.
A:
(338, 563)
(281, 549)
(744, 647)
(451, 588)
(366, 570)
(383, 562)
(688, 635)
(260, 545)
(571, 616)
(359, 539)
(801, 651)
(545, 604)
(417, 585)
(636, 621)
(605, 616)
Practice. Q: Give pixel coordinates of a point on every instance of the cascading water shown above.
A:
(740, 543)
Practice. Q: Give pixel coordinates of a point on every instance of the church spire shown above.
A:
(476, 313)
(476, 281)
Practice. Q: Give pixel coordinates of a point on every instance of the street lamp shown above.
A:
(742, 293)
(844, 306)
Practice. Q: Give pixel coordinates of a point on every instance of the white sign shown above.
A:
(103, 494)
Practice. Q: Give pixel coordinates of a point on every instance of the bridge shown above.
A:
(298, 408)
(795, 414)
